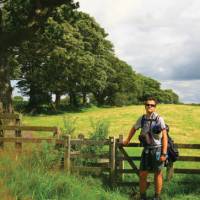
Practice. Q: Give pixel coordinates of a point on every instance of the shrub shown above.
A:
(69, 125)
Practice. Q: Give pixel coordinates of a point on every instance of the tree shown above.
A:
(60, 50)
(170, 97)
(19, 20)
(31, 60)
(120, 84)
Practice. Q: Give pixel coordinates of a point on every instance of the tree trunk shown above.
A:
(84, 98)
(100, 99)
(57, 101)
(73, 99)
(37, 97)
(5, 88)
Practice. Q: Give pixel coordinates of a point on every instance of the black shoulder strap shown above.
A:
(157, 118)
(142, 121)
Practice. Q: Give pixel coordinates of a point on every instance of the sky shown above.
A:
(158, 38)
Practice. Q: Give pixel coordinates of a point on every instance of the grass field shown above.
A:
(184, 122)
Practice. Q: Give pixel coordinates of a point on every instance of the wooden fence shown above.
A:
(6, 119)
(170, 170)
(110, 161)
(18, 128)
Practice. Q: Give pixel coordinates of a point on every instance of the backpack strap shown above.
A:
(151, 120)
(142, 121)
(157, 118)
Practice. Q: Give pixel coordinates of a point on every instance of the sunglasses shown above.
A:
(150, 105)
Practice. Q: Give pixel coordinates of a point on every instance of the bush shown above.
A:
(69, 125)
(19, 104)
(100, 132)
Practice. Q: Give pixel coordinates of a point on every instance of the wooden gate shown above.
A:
(122, 155)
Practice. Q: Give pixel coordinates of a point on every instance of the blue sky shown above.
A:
(157, 38)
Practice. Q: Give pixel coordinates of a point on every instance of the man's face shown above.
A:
(150, 106)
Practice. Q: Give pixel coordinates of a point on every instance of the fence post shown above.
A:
(170, 171)
(1, 124)
(1, 107)
(112, 151)
(121, 162)
(18, 145)
(67, 153)
(1, 135)
(81, 136)
(57, 132)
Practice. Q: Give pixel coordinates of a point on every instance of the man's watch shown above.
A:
(164, 154)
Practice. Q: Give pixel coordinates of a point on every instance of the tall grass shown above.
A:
(100, 132)
(69, 125)
(34, 177)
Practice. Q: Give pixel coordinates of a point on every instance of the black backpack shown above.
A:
(172, 149)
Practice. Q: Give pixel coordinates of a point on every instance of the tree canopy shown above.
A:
(52, 48)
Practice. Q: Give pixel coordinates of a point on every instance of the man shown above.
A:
(155, 147)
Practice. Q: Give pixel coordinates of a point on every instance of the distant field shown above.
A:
(184, 120)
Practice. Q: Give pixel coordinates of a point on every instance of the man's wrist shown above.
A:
(164, 154)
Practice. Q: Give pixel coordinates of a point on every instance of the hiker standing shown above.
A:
(155, 147)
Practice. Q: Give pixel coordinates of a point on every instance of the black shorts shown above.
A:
(150, 160)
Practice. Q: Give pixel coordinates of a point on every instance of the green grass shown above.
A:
(184, 122)
(35, 177)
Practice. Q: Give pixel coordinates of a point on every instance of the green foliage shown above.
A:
(33, 178)
(69, 125)
(149, 87)
(18, 98)
(44, 159)
(100, 130)
(55, 49)
(19, 104)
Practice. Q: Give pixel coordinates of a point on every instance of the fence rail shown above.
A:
(170, 169)
(111, 161)
(30, 128)
(9, 116)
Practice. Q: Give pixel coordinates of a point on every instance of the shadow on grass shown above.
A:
(183, 185)
(47, 110)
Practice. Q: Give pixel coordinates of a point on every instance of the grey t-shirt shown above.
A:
(148, 127)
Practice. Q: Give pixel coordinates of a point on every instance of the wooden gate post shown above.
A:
(170, 171)
(112, 151)
(18, 145)
(1, 107)
(1, 124)
(1, 135)
(121, 162)
(67, 153)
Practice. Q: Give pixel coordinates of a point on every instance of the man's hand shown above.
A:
(125, 142)
(130, 135)
(162, 158)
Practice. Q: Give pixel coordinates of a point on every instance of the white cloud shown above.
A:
(158, 38)
(188, 91)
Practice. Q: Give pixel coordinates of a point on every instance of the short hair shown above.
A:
(151, 99)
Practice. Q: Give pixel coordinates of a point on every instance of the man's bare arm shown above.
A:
(130, 135)
(164, 145)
